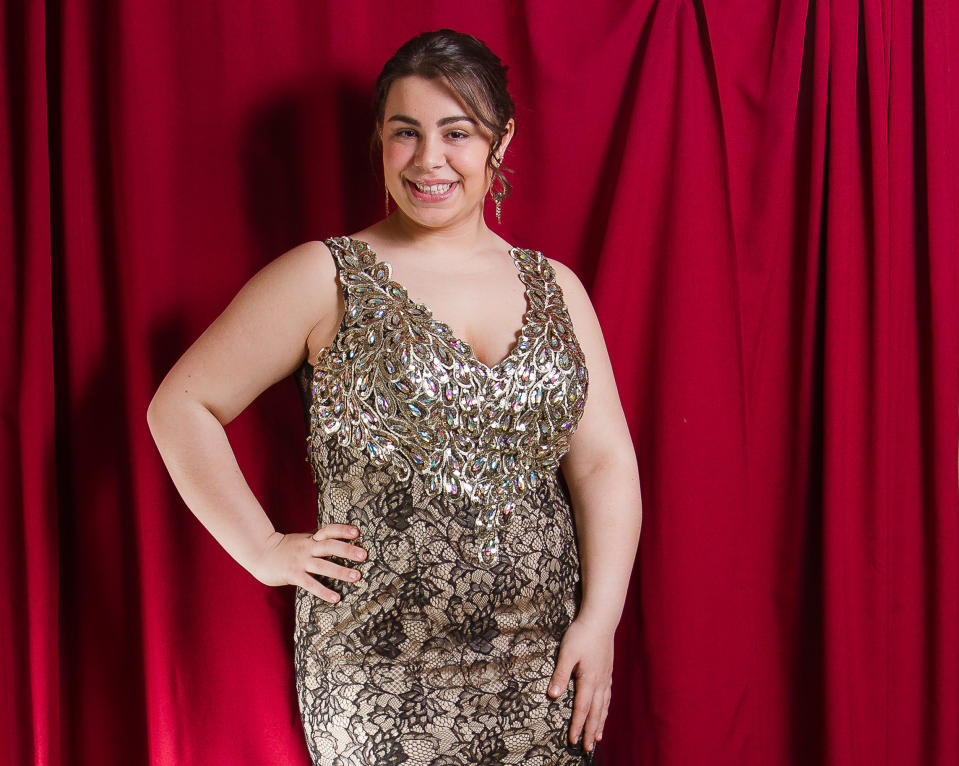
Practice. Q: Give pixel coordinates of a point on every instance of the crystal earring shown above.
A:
(498, 198)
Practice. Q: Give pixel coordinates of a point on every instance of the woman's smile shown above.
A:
(432, 191)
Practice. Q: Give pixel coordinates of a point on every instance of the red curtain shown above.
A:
(762, 200)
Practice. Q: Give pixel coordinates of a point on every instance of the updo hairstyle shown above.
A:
(472, 70)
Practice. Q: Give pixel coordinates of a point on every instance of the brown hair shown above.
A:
(472, 70)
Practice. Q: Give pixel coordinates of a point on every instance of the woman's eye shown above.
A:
(406, 133)
(458, 134)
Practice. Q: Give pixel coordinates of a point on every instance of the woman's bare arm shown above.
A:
(259, 339)
(601, 472)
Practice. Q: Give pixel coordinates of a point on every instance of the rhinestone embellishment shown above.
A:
(398, 385)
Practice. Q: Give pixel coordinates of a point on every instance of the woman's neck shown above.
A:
(466, 236)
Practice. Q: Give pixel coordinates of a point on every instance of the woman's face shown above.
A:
(434, 153)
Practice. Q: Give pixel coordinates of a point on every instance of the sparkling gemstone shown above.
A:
(331, 426)
(489, 550)
(452, 485)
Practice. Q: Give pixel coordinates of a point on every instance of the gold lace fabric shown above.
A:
(397, 384)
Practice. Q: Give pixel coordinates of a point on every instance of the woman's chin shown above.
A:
(436, 217)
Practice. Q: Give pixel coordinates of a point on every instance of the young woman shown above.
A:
(478, 496)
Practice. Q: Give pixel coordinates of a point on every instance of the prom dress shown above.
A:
(441, 653)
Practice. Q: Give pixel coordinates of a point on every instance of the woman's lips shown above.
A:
(433, 192)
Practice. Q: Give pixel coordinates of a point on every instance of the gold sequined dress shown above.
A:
(441, 653)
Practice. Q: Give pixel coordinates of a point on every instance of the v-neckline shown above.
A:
(467, 348)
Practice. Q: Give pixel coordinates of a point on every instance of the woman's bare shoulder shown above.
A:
(303, 278)
(304, 281)
(309, 259)
(568, 281)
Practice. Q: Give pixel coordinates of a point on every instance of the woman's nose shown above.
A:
(429, 153)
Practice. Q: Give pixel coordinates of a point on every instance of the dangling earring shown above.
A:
(498, 198)
(387, 190)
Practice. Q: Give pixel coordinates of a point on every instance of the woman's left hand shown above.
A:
(587, 649)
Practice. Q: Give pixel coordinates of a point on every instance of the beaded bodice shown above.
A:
(396, 384)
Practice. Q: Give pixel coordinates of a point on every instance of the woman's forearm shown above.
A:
(608, 511)
(197, 453)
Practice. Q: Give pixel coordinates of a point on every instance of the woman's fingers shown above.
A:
(561, 673)
(294, 558)
(335, 530)
(581, 705)
(329, 541)
(327, 568)
(602, 722)
(590, 706)
(311, 585)
(339, 548)
(593, 720)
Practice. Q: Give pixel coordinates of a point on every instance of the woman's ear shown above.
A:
(507, 137)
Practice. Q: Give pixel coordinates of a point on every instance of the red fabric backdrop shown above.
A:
(762, 199)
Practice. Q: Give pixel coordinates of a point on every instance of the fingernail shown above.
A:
(554, 690)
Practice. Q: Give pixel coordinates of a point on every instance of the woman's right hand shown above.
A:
(293, 559)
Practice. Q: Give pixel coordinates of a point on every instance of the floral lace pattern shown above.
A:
(439, 654)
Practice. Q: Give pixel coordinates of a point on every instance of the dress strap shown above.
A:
(350, 256)
(349, 261)
(352, 259)
(539, 275)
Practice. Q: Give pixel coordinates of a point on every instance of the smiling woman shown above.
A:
(487, 469)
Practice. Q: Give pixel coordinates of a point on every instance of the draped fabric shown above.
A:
(761, 199)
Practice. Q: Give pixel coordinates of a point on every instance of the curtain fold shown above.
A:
(30, 666)
(763, 202)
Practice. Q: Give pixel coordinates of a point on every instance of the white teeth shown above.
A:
(436, 189)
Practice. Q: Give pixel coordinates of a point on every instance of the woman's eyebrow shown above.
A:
(439, 123)
(458, 118)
